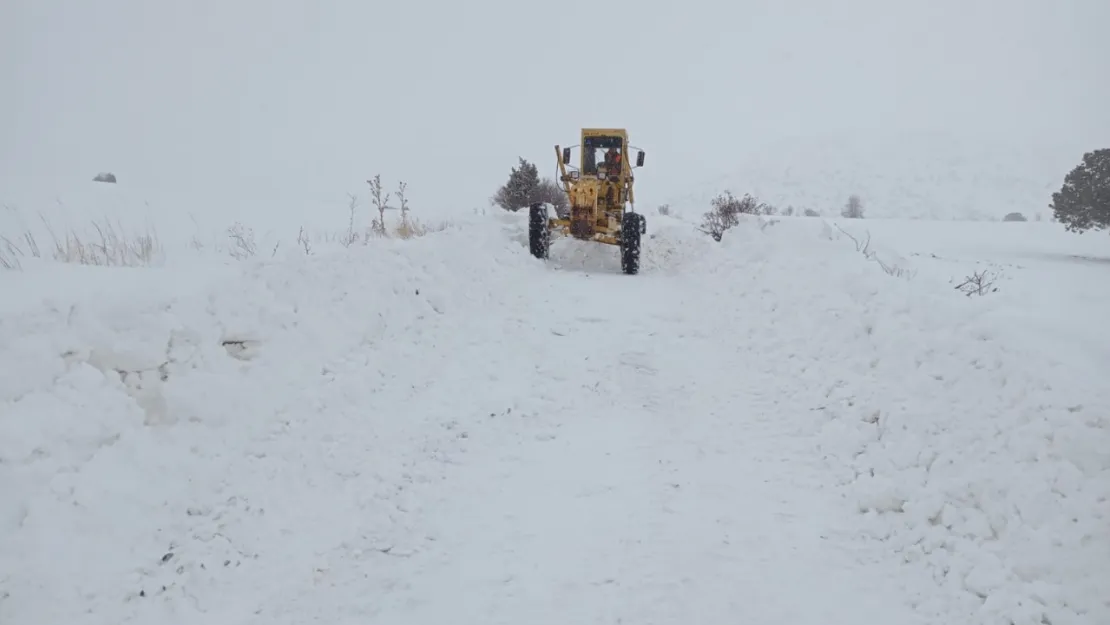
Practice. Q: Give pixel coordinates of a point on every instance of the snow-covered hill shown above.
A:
(900, 176)
(776, 428)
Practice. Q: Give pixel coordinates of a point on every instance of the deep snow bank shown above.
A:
(146, 414)
(985, 460)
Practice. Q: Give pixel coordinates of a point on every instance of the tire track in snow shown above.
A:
(615, 469)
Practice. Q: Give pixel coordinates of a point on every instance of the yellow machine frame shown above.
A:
(597, 193)
(597, 196)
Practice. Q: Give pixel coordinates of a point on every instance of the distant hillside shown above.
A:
(915, 176)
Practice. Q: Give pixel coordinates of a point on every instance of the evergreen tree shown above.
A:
(1083, 202)
(521, 188)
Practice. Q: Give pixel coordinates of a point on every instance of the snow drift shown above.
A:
(964, 447)
(185, 439)
(132, 401)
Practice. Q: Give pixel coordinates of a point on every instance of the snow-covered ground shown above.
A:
(772, 429)
(899, 175)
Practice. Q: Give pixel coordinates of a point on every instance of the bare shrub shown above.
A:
(401, 186)
(727, 210)
(978, 283)
(664, 210)
(1014, 217)
(549, 192)
(381, 203)
(242, 241)
(407, 228)
(809, 212)
(853, 209)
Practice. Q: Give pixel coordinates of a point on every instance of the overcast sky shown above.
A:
(276, 98)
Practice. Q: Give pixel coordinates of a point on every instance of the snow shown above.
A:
(444, 429)
(899, 175)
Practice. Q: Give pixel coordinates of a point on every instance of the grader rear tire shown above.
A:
(539, 231)
(632, 225)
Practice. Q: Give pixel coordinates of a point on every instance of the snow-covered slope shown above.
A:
(900, 175)
(444, 429)
(187, 217)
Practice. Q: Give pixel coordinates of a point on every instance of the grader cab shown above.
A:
(599, 191)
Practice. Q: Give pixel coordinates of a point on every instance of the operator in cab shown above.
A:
(613, 160)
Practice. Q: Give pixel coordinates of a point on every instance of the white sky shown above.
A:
(276, 98)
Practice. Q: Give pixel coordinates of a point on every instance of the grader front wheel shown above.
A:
(539, 231)
(632, 226)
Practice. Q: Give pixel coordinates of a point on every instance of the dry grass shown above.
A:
(411, 228)
(240, 242)
(105, 245)
(110, 245)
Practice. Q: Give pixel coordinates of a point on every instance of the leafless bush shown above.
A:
(665, 210)
(407, 228)
(853, 209)
(809, 212)
(549, 192)
(727, 210)
(381, 202)
(978, 283)
(1014, 217)
(242, 241)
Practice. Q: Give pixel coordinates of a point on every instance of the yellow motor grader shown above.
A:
(599, 190)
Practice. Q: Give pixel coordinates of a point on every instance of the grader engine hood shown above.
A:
(583, 208)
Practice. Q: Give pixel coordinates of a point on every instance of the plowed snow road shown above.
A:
(617, 450)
